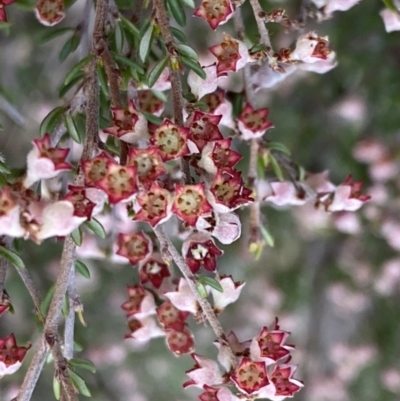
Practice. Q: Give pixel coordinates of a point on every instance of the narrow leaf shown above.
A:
(79, 383)
(201, 290)
(12, 257)
(178, 34)
(156, 71)
(177, 12)
(268, 238)
(77, 67)
(82, 269)
(211, 282)
(65, 88)
(187, 51)
(51, 120)
(280, 147)
(145, 43)
(188, 3)
(83, 363)
(45, 304)
(95, 226)
(152, 118)
(76, 236)
(276, 167)
(129, 26)
(50, 35)
(128, 62)
(118, 37)
(71, 127)
(56, 389)
(194, 65)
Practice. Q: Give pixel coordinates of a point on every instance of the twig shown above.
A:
(174, 74)
(167, 246)
(262, 29)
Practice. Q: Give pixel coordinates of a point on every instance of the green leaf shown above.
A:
(95, 226)
(70, 46)
(79, 383)
(66, 306)
(3, 181)
(83, 363)
(194, 66)
(201, 106)
(201, 290)
(52, 34)
(276, 167)
(77, 347)
(187, 51)
(152, 118)
(189, 3)
(71, 127)
(130, 27)
(390, 5)
(211, 282)
(128, 62)
(51, 120)
(118, 37)
(268, 238)
(178, 34)
(4, 169)
(76, 236)
(82, 269)
(103, 80)
(45, 304)
(77, 68)
(177, 12)
(56, 389)
(145, 43)
(1, 128)
(12, 257)
(156, 71)
(302, 173)
(280, 147)
(258, 47)
(65, 88)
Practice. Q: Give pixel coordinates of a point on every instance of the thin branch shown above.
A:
(168, 247)
(174, 74)
(262, 29)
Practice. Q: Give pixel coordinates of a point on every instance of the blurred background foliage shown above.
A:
(319, 279)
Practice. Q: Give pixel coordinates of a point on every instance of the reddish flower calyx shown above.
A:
(10, 211)
(217, 155)
(215, 13)
(148, 163)
(190, 203)
(204, 128)
(140, 303)
(183, 299)
(150, 103)
(129, 125)
(253, 123)
(50, 12)
(180, 342)
(171, 140)
(170, 317)
(199, 250)
(227, 192)
(204, 372)
(119, 183)
(144, 329)
(285, 384)
(45, 162)
(156, 204)
(11, 355)
(250, 377)
(96, 169)
(135, 247)
(232, 55)
(83, 206)
(153, 270)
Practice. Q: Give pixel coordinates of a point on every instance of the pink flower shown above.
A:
(310, 48)
(284, 383)
(183, 299)
(50, 12)
(285, 193)
(216, 12)
(135, 247)
(253, 123)
(10, 212)
(180, 342)
(231, 292)
(144, 329)
(228, 228)
(140, 303)
(153, 270)
(249, 376)
(201, 87)
(205, 372)
(44, 161)
(170, 317)
(391, 19)
(11, 355)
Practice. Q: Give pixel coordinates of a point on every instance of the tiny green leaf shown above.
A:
(129, 26)
(54, 33)
(45, 304)
(194, 65)
(189, 3)
(201, 290)
(211, 282)
(187, 51)
(118, 37)
(390, 5)
(65, 88)
(79, 383)
(177, 12)
(268, 238)
(70, 46)
(71, 127)
(4, 169)
(95, 226)
(145, 43)
(82, 269)
(83, 363)
(156, 71)
(276, 167)
(178, 34)
(77, 68)
(128, 62)
(152, 118)
(12, 257)
(280, 147)
(56, 389)
(76, 236)
(51, 120)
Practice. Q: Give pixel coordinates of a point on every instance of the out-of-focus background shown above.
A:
(333, 280)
